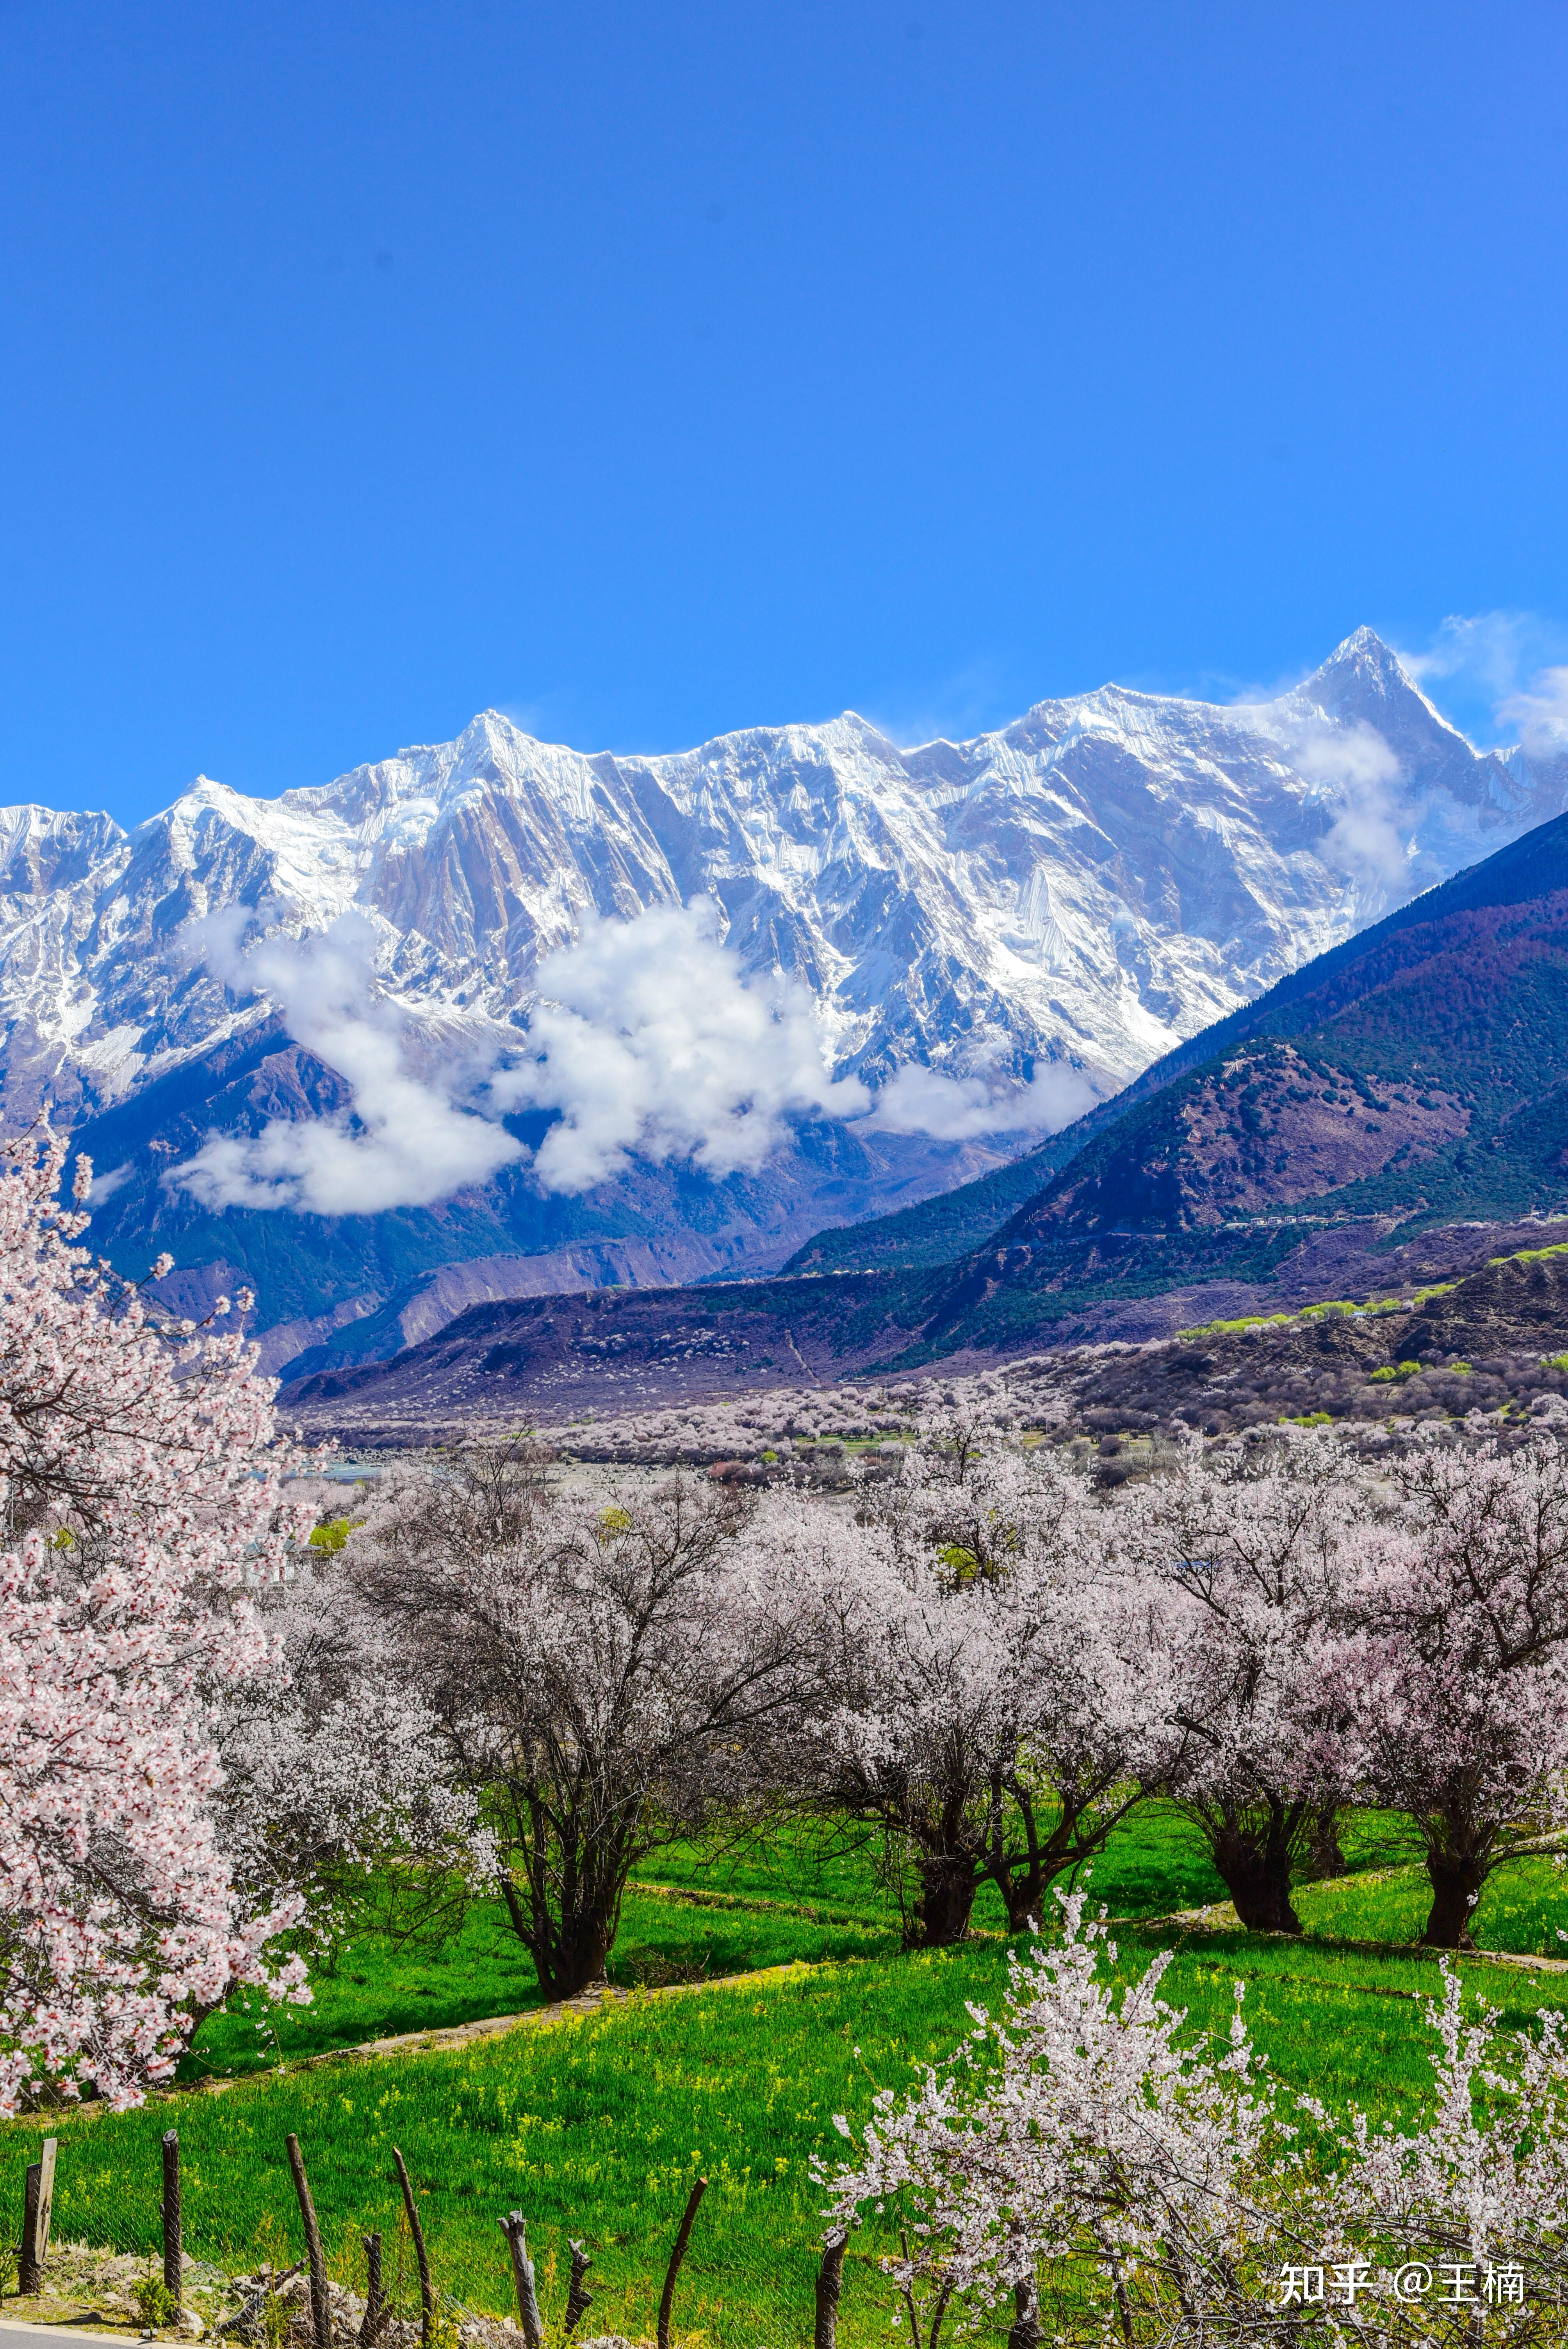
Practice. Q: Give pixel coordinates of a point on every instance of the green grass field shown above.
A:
(692, 1917)
(597, 2126)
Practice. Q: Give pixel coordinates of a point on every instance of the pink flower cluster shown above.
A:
(140, 1481)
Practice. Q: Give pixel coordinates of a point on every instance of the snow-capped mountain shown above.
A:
(1093, 883)
(1087, 887)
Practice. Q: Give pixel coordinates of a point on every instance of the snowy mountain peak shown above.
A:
(1363, 649)
(1089, 884)
(1361, 673)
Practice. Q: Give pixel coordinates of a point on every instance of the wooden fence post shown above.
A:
(828, 2284)
(173, 2233)
(36, 2208)
(515, 2227)
(320, 2299)
(666, 2299)
(375, 2300)
(579, 2298)
(426, 2294)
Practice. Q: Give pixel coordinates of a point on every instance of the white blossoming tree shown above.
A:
(606, 1679)
(1131, 2183)
(1454, 1670)
(1251, 1555)
(987, 1690)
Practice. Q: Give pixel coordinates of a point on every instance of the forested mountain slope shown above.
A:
(1412, 1079)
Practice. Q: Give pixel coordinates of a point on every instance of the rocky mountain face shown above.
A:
(1391, 1116)
(1092, 885)
(1096, 882)
(1411, 1082)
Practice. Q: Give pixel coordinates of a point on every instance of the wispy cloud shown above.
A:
(539, 719)
(409, 1140)
(103, 1187)
(918, 1100)
(1497, 673)
(1494, 649)
(1366, 841)
(969, 702)
(1541, 714)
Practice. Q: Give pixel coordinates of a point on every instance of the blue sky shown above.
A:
(651, 370)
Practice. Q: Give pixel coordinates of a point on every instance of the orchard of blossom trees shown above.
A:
(219, 1742)
(985, 1660)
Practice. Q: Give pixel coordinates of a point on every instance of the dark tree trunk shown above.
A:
(1021, 1882)
(1076, 1836)
(570, 1953)
(1255, 1871)
(1323, 1857)
(947, 1888)
(581, 1953)
(1026, 1884)
(1456, 1885)
(1024, 1890)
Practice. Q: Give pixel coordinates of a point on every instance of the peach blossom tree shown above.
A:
(141, 1490)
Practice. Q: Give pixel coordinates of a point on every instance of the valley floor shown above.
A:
(596, 2126)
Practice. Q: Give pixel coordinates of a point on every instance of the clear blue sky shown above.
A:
(647, 370)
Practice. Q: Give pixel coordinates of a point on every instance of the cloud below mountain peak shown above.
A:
(648, 1039)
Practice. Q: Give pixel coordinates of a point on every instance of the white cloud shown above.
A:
(650, 1038)
(1502, 666)
(408, 1141)
(918, 1100)
(1366, 841)
(103, 1187)
(1493, 650)
(1541, 714)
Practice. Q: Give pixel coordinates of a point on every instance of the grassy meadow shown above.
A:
(596, 2126)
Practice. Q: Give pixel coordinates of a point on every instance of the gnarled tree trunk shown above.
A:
(946, 1898)
(1253, 1850)
(1258, 1882)
(1455, 1888)
(1078, 1833)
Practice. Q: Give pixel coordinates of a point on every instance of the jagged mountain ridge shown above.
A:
(1096, 882)
(1093, 883)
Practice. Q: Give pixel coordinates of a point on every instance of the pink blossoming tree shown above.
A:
(1253, 1551)
(141, 1500)
(986, 1687)
(1456, 1673)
